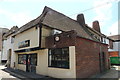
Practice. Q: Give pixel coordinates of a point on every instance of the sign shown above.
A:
(24, 44)
(57, 38)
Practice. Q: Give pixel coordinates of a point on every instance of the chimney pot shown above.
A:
(80, 19)
(96, 26)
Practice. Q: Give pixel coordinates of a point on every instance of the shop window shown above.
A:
(29, 58)
(21, 59)
(33, 59)
(59, 58)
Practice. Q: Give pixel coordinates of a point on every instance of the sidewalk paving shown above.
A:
(26, 75)
(114, 73)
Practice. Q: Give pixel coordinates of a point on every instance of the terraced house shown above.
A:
(8, 47)
(58, 46)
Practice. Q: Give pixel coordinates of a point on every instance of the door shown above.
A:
(27, 63)
(31, 62)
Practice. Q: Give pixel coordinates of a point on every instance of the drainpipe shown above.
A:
(100, 49)
(1, 50)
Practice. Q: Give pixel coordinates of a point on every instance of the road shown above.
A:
(5, 75)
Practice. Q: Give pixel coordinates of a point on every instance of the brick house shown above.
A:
(58, 46)
(90, 57)
(114, 50)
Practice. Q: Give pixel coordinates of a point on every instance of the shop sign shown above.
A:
(23, 44)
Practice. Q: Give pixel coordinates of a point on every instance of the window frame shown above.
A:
(60, 59)
(19, 59)
(32, 55)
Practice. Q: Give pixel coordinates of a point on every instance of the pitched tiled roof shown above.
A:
(56, 20)
(100, 34)
(11, 31)
(115, 37)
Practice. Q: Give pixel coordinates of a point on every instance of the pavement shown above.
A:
(5, 75)
(112, 74)
(25, 75)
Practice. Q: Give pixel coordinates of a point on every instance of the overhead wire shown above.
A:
(106, 3)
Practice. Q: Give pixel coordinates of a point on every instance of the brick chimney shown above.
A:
(96, 26)
(80, 19)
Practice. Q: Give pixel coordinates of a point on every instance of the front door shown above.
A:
(27, 63)
(31, 62)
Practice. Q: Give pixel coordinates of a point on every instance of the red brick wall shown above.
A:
(105, 50)
(87, 52)
(66, 39)
(113, 54)
(87, 57)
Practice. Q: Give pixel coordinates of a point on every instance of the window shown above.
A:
(21, 59)
(12, 39)
(59, 58)
(23, 44)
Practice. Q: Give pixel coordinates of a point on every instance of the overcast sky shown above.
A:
(19, 12)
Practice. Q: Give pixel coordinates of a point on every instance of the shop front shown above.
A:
(54, 62)
(29, 60)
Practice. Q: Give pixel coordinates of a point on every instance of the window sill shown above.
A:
(58, 67)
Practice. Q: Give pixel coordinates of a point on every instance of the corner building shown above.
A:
(59, 48)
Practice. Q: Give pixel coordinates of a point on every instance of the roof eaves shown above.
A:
(96, 31)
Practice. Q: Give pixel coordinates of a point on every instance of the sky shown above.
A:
(19, 12)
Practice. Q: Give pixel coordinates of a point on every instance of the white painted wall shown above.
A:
(116, 47)
(42, 64)
(107, 41)
(6, 46)
(4, 51)
(31, 34)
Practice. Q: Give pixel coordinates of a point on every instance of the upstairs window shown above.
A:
(12, 39)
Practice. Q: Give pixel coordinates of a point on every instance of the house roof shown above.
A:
(100, 34)
(56, 20)
(11, 31)
(115, 37)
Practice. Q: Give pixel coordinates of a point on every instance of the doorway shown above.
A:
(9, 58)
(31, 62)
